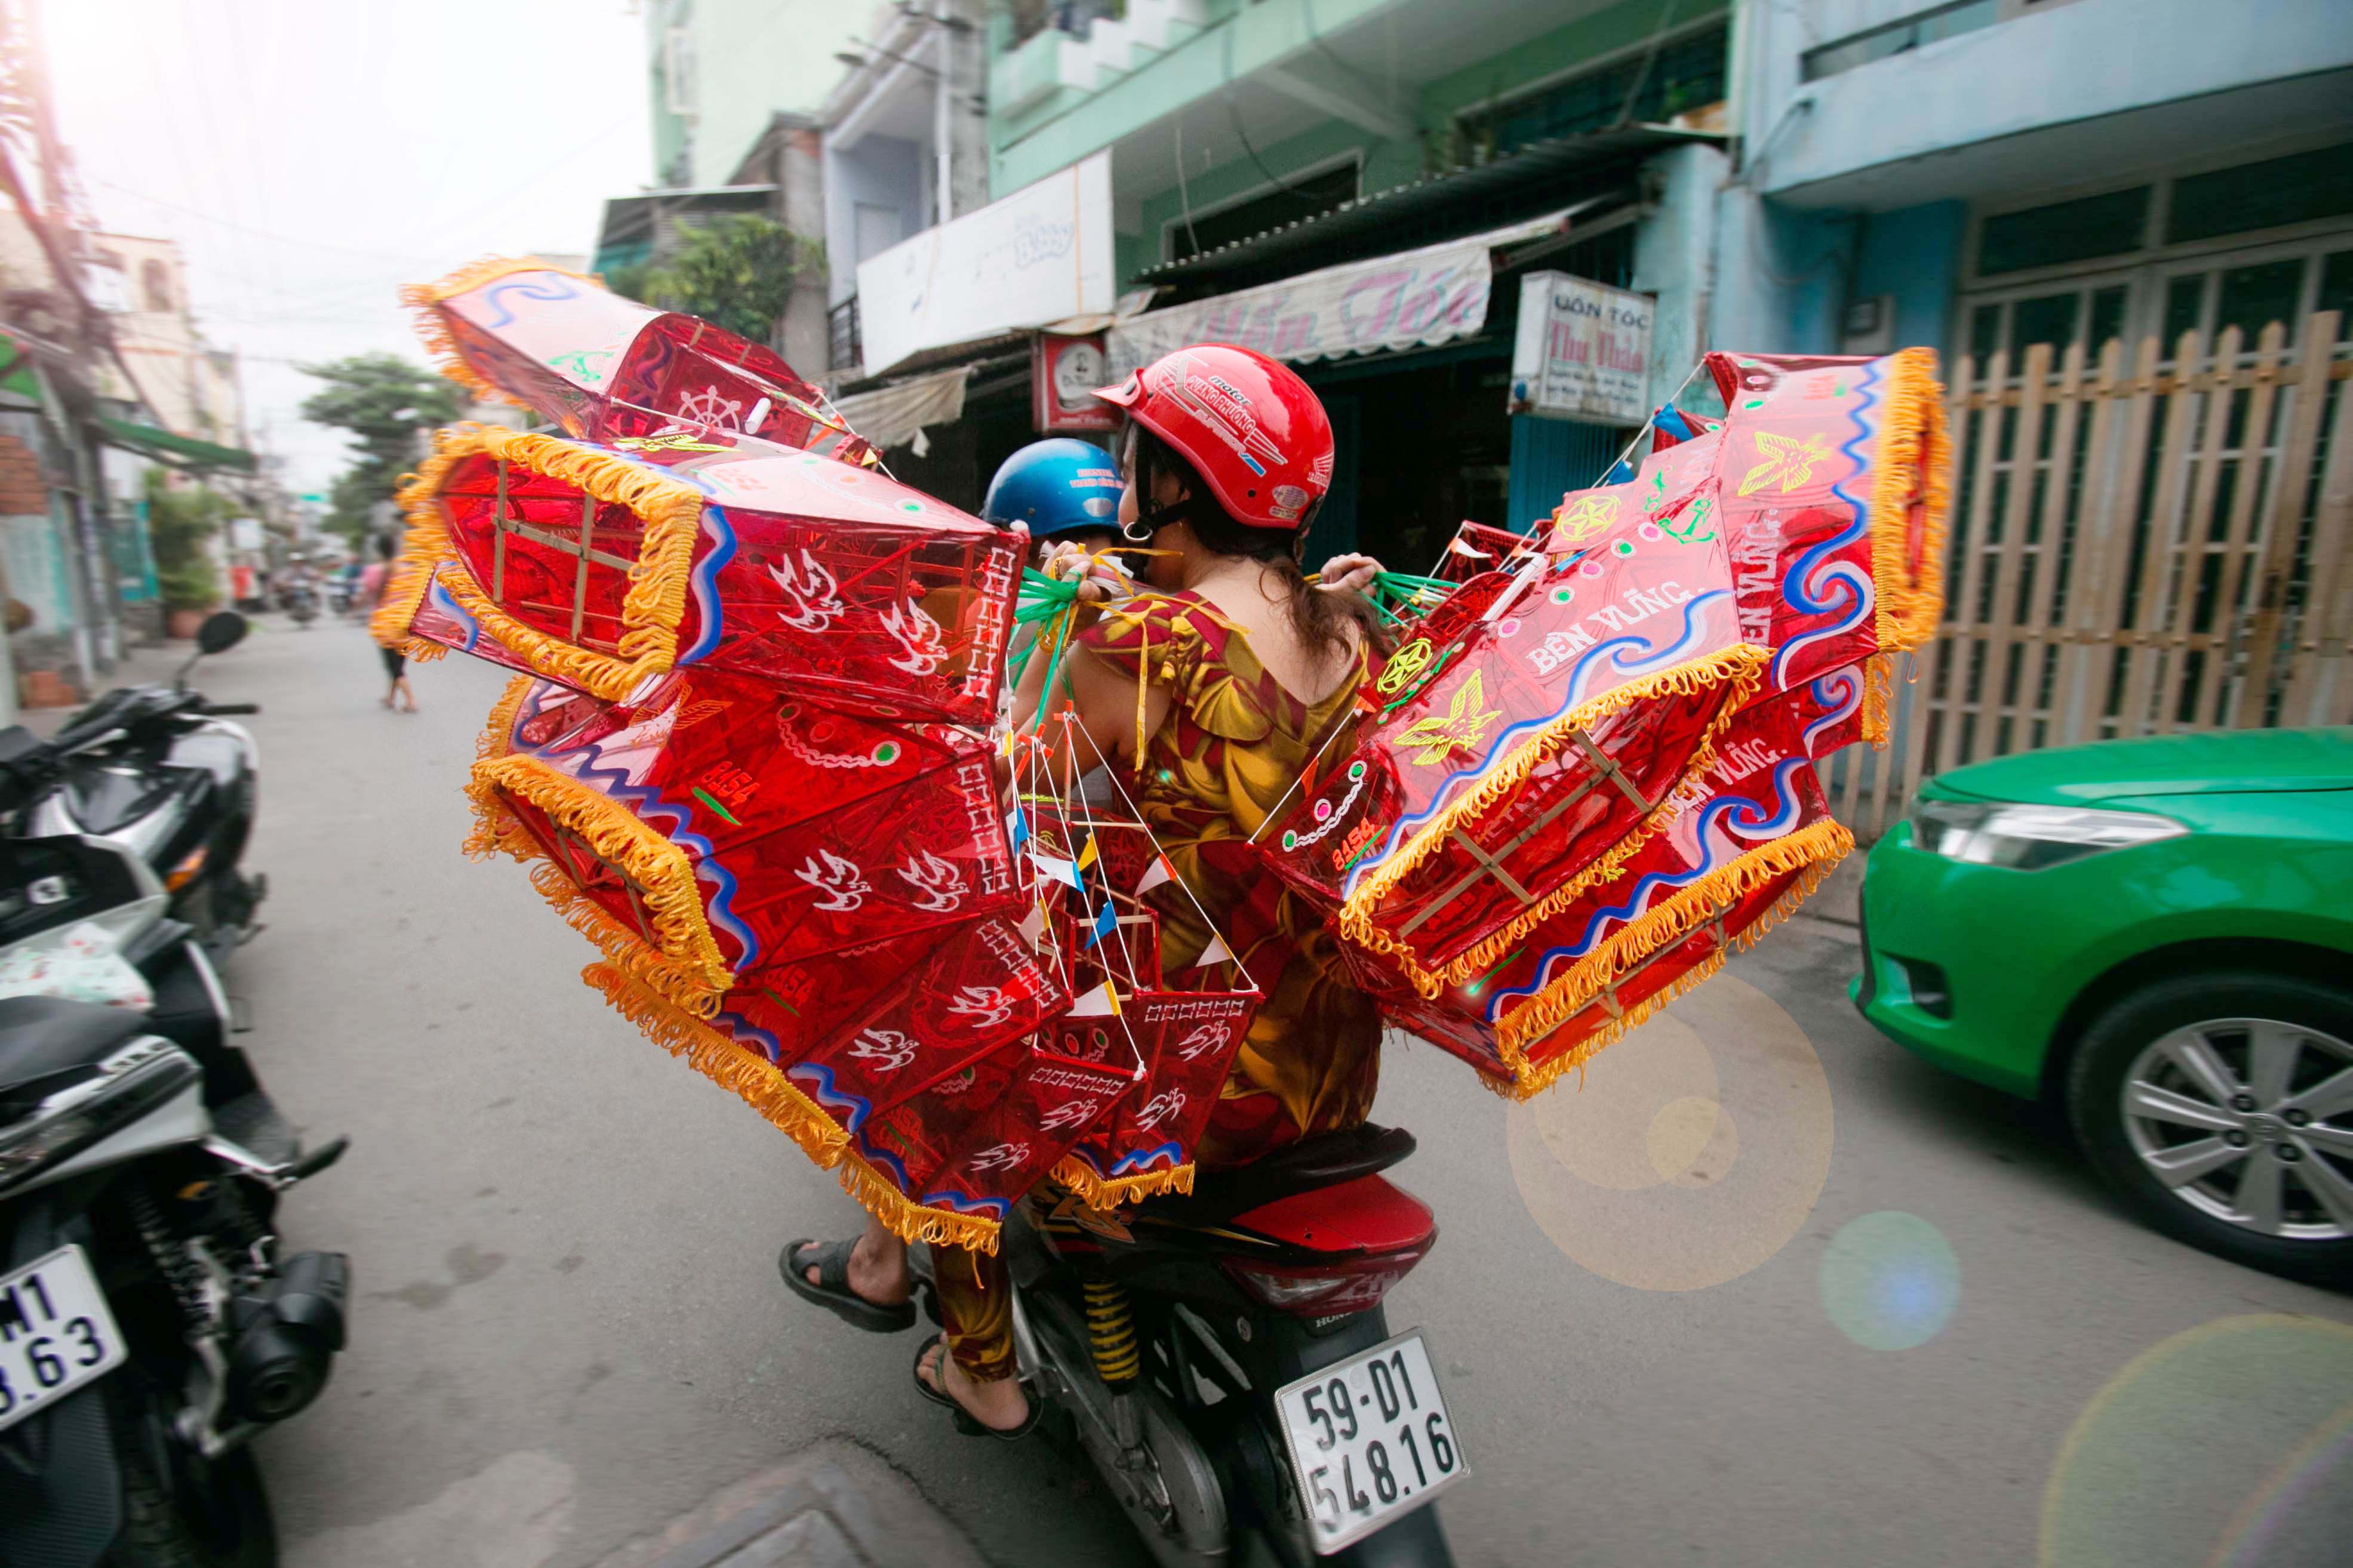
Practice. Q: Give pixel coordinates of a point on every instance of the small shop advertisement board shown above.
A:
(1063, 375)
(1582, 351)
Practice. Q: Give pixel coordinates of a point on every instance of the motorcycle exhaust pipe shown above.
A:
(285, 1339)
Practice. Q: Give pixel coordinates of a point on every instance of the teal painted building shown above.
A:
(1254, 145)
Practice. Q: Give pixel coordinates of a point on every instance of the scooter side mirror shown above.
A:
(222, 630)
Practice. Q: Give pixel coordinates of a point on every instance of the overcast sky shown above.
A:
(311, 158)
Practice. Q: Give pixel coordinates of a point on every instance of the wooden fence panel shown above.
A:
(2136, 548)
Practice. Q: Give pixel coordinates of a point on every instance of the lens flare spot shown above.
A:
(1690, 1142)
(1890, 1280)
(2250, 1420)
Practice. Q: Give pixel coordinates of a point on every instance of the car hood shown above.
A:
(2222, 762)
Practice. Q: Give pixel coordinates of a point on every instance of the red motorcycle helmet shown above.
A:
(1249, 426)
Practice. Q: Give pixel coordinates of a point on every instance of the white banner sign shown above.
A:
(1413, 299)
(1582, 352)
(1041, 255)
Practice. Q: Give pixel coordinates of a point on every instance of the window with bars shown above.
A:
(2158, 260)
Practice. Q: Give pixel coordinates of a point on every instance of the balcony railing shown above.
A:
(845, 344)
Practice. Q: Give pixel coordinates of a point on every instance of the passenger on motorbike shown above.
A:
(1209, 690)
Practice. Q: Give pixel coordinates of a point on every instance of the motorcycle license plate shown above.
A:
(56, 1334)
(1370, 1440)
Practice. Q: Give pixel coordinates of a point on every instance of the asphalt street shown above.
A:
(1762, 1290)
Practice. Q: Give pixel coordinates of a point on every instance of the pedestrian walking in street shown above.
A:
(373, 584)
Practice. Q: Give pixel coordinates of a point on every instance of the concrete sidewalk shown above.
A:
(835, 1505)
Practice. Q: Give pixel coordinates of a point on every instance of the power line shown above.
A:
(256, 232)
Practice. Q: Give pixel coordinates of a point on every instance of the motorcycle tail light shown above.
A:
(1325, 1288)
(185, 871)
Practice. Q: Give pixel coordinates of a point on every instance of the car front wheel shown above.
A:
(2219, 1106)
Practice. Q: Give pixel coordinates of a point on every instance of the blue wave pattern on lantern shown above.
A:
(1842, 691)
(1806, 586)
(652, 808)
(445, 602)
(702, 583)
(530, 285)
(1651, 658)
(1737, 813)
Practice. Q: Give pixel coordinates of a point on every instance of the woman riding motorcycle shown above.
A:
(1210, 689)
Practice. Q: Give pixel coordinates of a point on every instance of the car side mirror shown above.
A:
(222, 631)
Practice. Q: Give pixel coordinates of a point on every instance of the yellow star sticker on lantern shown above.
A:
(1790, 462)
(1467, 718)
(682, 441)
(1581, 518)
(1403, 666)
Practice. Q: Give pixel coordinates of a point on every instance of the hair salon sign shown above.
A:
(1582, 352)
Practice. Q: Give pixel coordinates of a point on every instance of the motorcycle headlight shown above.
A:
(2030, 837)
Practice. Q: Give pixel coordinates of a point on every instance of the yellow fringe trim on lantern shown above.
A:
(1111, 1192)
(763, 1087)
(1741, 666)
(759, 1083)
(672, 515)
(493, 742)
(1811, 851)
(424, 300)
(1544, 1077)
(685, 965)
(909, 1220)
(1878, 698)
(651, 611)
(1913, 438)
(423, 548)
(1640, 1012)
(1491, 950)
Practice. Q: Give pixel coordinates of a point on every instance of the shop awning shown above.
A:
(1430, 209)
(894, 417)
(1412, 300)
(178, 451)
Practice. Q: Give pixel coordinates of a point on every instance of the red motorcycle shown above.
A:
(1224, 1360)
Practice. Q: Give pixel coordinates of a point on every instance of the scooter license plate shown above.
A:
(56, 1334)
(1369, 1439)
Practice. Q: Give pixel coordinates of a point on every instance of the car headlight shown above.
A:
(2030, 837)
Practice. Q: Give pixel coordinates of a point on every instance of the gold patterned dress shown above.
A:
(1232, 743)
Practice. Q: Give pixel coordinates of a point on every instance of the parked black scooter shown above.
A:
(159, 769)
(150, 1323)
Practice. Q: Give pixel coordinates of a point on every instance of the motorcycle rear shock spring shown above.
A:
(1111, 1332)
(182, 1272)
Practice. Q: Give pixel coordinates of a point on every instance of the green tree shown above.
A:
(735, 273)
(179, 522)
(381, 401)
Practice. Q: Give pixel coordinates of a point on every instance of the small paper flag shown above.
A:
(1017, 826)
(1087, 854)
(1102, 1001)
(1105, 923)
(1215, 953)
(1055, 868)
(1033, 927)
(1159, 871)
(1464, 547)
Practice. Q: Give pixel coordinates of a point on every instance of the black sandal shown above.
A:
(966, 1422)
(832, 1292)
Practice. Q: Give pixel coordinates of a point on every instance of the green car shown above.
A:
(2157, 935)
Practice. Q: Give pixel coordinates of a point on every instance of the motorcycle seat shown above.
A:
(43, 1034)
(1324, 1160)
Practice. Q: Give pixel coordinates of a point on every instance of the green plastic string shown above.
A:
(1401, 595)
(1043, 599)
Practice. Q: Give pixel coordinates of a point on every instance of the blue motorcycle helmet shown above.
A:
(1057, 486)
